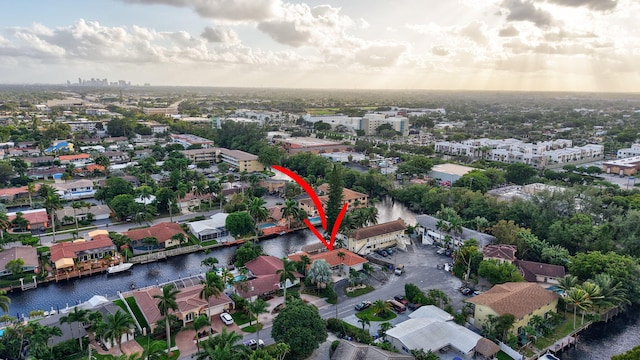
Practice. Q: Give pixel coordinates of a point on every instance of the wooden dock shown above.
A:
(565, 342)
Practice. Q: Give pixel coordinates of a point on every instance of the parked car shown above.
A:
(362, 305)
(382, 253)
(413, 306)
(399, 270)
(389, 251)
(466, 291)
(401, 299)
(253, 344)
(226, 318)
(441, 251)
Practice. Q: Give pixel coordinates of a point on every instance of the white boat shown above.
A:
(114, 269)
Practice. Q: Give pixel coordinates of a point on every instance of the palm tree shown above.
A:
(31, 189)
(380, 307)
(5, 224)
(80, 317)
(341, 255)
(166, 303)
(365, 321)
(286, 273)
(39, 347)
(578, 298)
(117, 325)
(256, 208)
(199, 189)
(226, 345)
(305, 261)
(370, 215)
(150, 241)
(567, 282)
(613, 294)
(384, 327)
(76, 205)
(210, 262)
(199, 323)
(442, 226)
(290, 210)
(52, 203)
(256, 308)
(67, 320)
(213, 286)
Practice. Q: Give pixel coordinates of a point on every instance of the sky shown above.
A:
(511, 45)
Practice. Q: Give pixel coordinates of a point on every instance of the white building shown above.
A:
(370, 122)
(74, 190)
(634, 150)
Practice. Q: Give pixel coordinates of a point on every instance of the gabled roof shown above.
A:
(162, 231)
(263, 284)
(264, 265)
(37, 216)
(74, 157)
(331, 257)
(26, 253)
(16, 190)
(70, 249)
(530, 269)
(517, 298)
(347, 194)
(500, 251)
(379, 229)
(348, 350)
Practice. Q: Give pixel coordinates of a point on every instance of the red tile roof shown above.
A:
(350, 259)
(69, 249)
(162, 231)
(500, 251)
(264, 265)
(38, 216)
(93, 167)
(519, 298)
(16, 190)
(74, 157)
(263, 284)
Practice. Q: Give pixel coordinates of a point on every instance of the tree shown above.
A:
(124, 206)
(288, 272)
(632, 354)
(52, 204)
(75, 206)
(577, 298)
(210, 262)
(499, 272)
(420, 354)
(117, 325)
(113, 187)
(213, 285)
(364, 321)
(5, 224)
(300, 326)
(257, 307)
(199, 323)
(79, 317)
(334, 202)
(341, 255)
(380, 307)
(6, 172)
(383, 328)
(239, 223)
(290, 210)
(15, 266)
(256, 208)
(247, 252)
(20, 222)
(417, 165)
(506, 232)
(320, 273)
(226, 345)
(166, 303)
(270, 155)
(519, 173)
(31, 189)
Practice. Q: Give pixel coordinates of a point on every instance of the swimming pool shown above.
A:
(315, 219)
(239, 278)
(266, 225)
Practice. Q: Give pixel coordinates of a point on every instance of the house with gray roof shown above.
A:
(427, 228)
(211, 229)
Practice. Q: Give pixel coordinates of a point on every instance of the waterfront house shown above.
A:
(163, 232)
(356, 200)
(348, 350)
(264, 278)
(28, 254)
(211, 229)
(500, 252)
(190, 305)
(366, 240)
(521, 299)
(540, 272)
(66, 254)
(427, 228)
(100, 212)
(349, 262)
(74, 190)
(16, 193)
(37, 218)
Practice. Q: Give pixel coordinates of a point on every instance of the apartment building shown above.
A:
(197, 155)
(634, 150)
(370, 122)
(187, 140)
(240, 160)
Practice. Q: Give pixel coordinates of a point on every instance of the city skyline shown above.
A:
(521, 45)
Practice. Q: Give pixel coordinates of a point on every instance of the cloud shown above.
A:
(380, 55)
(508, 31)
(525, 10)
(439, 51)
(599, 5)
(231, 10)
(287, 33)
(220, 35)
(475, 31)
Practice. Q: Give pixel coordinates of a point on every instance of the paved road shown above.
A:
(420, 264)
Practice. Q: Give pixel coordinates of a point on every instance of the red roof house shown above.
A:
(163, 232)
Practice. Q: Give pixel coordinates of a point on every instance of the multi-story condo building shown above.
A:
(634, 150)
(209, 155)
(187, 140)
(241, 160)
(370, 122)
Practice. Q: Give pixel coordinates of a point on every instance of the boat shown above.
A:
(114, 269)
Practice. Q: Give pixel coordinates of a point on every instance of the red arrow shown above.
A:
(316, 201)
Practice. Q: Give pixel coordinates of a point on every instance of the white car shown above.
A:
(226, 318)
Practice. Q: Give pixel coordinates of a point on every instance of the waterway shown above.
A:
(69, 293)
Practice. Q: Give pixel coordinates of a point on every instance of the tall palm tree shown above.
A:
(384, 327)
(213, 286)
(380, 307)
(305, 261)
(199, 323)
(290, 210)
(365, 321)
(117, 325)
(4, 301)
(166, 303)
(567, 282)
(256, 208)
(39, 347)
(226, 345)
(341, 255)
(286, 273)
(79, 317)
(199, 189)
(31, 189)
(52, 203)
(5, 224)
(256, 308)
(370, 215)
(578, 298)
(613, 294)
(76, 205)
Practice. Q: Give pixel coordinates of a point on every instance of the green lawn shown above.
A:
(562, 330)
(249, 329)
(241, 318)
(136, 311)
(208, 242)
(503, 356)
(359, 292)
(372, 317)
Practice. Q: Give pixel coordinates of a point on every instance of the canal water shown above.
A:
(69, 293)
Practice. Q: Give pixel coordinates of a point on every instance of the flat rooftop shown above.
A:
(453, 169)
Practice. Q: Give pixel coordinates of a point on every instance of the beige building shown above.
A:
(356, 200)
(366, 240)
(521, 299)
(241, 160)
(197, 155)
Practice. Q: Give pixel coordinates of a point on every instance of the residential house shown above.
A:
(16, 194)
(78, 160)
(356, 200)
(116, 157)
(348, 350)
(187, 203)
(38, 218)
(65, 254)
(366, 240)
(190, 305)
(100, 212)
(428, 229)
(62, 146)
(431, 328)
(38, 161)
(500, 252)
(28, 254)
(74, 190)
(163, 232)
(263, 277)
(349, 262)
(540, 272)
(46, 173)
(211, 229)
(521, 299)
(156, 127)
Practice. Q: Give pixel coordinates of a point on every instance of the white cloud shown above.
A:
(230, 10)
(526, 10)
(220, 35)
